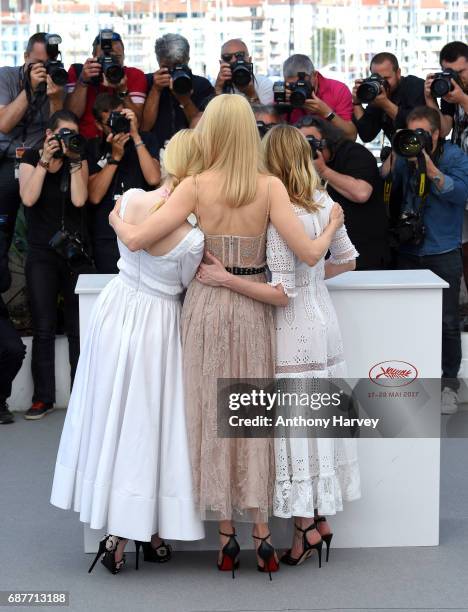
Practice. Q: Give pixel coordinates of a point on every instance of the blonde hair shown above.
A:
(287, 155)
(182, 157)
(231, 145)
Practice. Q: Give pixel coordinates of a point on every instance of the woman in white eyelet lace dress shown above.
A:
(313, 476)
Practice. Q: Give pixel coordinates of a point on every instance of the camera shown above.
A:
(241, 70)
(409, 229)
(316, 144)
(74, 142)
(301, 90)
(118, 123)
(370, 88)
(54, 66)
(181, 79)
(411, 143)
(71, 248)
(442, 83)
(279, 92)
(264, 128)
(110, 67)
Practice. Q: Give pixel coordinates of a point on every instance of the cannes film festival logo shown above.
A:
(393, 373)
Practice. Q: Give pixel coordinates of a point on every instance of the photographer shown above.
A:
(454, 104)
(104, 72)
(53, 188)
(28, 96)
(434, 177)
(236, 74)
(324, 98)
(352, 179)
(12, 349)
(175, 95)
(389, 97)
(119, 159)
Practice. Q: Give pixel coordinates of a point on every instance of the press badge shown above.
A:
(19, 152)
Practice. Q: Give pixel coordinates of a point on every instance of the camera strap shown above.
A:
(64, 188)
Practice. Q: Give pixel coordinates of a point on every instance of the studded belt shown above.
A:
(245, 271)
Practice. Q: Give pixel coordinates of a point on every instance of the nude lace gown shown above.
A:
(227, 335)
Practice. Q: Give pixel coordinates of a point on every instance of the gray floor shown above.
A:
(41, 548)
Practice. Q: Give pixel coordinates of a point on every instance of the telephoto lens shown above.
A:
(181, 79)
(370, 88)
(411, 143)
(442, 83)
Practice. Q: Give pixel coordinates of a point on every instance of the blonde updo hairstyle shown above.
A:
(287, 155)
(182, 157)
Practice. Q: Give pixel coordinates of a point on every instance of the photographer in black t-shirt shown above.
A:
(397, 96)
(121, 158)
(168, 110)
(53, 189)
(353, 180)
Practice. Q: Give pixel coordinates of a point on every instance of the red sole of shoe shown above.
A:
(228, 564)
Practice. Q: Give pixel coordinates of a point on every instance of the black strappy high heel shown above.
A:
(160, 554)
(327, 538)
(266, 552)
(229, 554)
(307, 548)
(107, 547)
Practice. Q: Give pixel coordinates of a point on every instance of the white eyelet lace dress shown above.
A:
(310, 473)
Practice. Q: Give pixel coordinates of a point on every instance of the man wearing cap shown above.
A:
(82, 91)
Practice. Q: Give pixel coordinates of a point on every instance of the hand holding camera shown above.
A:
(118, 142)
(161, 79)
(316, 106)
(37, 76)
(132, 123)
(91, 71)
(51, 148)
(224, 76)
(53, 90)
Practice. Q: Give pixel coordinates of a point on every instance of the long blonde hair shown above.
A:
(182, 157)
(231, 145)
(287, 155)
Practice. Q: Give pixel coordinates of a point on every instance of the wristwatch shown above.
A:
(330, 116)
(436, 179)
(44, 164)
(123, 94)
(113, 162)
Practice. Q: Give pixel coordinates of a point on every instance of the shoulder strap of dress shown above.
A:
(267, 218)
(197, 211)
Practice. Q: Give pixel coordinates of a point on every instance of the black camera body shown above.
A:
(263, 128)
(411, 143)
(110, 67)
(370, 88)
(316, 144)
(71, 248)
(181, 79)
(242, 71)
(301, 90)
(442, 83)
(54, 66)
(409, 229)
(74, 142)
(118, 123)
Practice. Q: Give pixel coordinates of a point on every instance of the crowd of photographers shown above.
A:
(71, 142)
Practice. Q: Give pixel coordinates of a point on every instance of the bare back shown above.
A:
(236, 236)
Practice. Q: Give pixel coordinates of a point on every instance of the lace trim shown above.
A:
(312, 366)
(344, 257)
(286, 280)
(326, 493)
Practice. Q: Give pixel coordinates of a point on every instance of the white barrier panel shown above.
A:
(384, 316)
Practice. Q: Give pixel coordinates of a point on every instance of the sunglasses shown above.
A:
(226, 57)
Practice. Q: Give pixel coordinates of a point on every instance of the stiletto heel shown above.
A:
(327, 538)
(229, 554)
(107, 547)
(306, 550)
(266, 552)
(160, 554)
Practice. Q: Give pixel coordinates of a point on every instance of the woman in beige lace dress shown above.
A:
(225, 334)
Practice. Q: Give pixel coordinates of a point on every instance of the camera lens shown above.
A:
(441, 86)
(114, 73)
(368, 91)
(407, 143)
(241, 74)
(181, 81)
(59, 76)
(76, 143)
(298, 97)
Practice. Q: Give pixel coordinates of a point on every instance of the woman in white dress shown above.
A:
(313, 476)
(123, 461)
